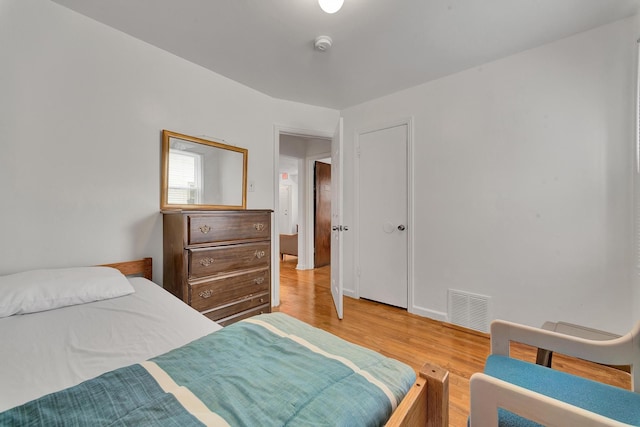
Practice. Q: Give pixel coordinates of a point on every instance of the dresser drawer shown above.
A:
(205, 262)
(228, 289)
(260, 303)
(243, 315)
(224, 227)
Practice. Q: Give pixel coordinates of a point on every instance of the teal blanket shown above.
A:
(269, 370)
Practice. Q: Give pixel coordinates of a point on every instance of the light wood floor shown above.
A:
(409, 338)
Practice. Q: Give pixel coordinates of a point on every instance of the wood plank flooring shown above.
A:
(409, 338)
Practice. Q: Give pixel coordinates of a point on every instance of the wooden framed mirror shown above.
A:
(202, 174)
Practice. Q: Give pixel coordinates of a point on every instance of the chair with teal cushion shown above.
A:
(513, 392)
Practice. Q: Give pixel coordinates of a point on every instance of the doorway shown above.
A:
(303, 148)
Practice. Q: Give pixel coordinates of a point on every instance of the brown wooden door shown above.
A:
(322, 233)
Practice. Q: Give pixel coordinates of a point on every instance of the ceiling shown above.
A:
(379, 46)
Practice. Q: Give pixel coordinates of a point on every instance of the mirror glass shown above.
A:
(202, 174)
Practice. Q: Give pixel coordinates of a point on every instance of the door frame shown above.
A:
(408, 121)
(279, 130)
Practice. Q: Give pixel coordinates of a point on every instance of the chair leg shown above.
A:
(544, 357)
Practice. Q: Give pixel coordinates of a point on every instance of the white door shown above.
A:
(337, 228)
(383, 233)
(285, 209)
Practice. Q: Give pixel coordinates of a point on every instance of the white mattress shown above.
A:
(48, 351)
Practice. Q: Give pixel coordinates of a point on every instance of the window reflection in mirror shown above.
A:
(185, 177)
(202, 174)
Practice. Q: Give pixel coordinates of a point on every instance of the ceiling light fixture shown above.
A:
(330, 6)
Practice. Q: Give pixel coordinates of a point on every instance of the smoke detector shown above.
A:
(323, 43)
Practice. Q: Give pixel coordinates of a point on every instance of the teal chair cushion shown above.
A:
(612, 402)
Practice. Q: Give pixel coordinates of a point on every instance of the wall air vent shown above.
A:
(469, 310)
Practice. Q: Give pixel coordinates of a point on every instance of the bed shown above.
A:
(146, 358)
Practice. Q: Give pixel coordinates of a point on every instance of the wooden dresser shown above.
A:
(219, 262)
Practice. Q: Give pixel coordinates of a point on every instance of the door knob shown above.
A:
(401, 227)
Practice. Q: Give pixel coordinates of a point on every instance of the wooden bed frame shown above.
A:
(426, 403)
(140, 267)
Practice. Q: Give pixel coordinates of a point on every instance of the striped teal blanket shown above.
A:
(269, 370)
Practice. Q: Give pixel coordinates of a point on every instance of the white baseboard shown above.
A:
(431, 314)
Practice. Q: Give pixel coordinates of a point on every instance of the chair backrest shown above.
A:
(634, 338)
(619, 351)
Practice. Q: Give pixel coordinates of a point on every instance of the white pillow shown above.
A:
(40, 290)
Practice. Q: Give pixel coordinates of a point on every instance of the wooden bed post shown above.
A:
(427, 403)
(437, 395)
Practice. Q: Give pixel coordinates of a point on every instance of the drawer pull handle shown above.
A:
(259, 254)
(206, 294)
(258, 280)
(205, 229)
(206, 262)
(258, 226)
(261, 300)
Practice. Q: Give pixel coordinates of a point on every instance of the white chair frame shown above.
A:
(489, 393)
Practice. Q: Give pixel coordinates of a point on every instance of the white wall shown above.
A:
(522, 181)
(82, 107)
(523, 166)
(636, 189)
